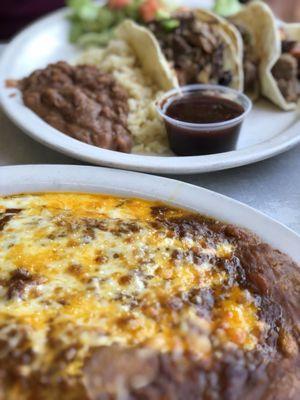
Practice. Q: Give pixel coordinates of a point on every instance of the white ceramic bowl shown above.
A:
(57, 178)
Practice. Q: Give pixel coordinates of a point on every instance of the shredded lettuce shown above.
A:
(170, 24)
(227, 7)
(96, 39)
(84, 9)
(94, 24)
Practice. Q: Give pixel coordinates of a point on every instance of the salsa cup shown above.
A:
(189, 138)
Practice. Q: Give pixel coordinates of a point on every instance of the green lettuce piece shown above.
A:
(84, 9)
(96, 39)
(76, 5)
(93, 23)
(90, 22)
(227, 7)
(105, 19)
(170, 24)
(76, 31)
(162, 15)
(132, 10)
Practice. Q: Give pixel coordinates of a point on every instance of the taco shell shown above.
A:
(149, 53)
(260, 21)
(256, 18)
(269, 85)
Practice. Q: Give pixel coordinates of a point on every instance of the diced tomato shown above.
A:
(149, 9)
(118, 4)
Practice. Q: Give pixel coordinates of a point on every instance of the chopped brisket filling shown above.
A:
(195, 50)
(287, 70)
(250, 61)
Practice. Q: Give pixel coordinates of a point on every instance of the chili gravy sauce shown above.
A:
(202, 109)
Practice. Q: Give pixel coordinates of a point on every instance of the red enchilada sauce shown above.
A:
(197, 108)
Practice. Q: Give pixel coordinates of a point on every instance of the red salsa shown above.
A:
(197, 108)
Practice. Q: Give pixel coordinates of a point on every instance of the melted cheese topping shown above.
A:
(82, 270)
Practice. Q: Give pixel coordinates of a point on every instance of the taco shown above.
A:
(270, 52)
(280, 77)
(149, 54)
(201, 47)
(252, 23)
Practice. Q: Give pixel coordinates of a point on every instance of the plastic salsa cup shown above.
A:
(203, 119)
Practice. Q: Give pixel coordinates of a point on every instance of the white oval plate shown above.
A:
(41, 178)
(267, 131)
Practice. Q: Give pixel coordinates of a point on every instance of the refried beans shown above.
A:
(82, 102)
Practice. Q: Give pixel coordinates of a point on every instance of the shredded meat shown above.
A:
(195, 49)
(287, 45)
(250, 71)
(250, 61)
(82, 102)
(285, 72)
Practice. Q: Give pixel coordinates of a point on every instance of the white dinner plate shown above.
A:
(57, 178)
(266, 133)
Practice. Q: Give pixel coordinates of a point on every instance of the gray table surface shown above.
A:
(271, 186)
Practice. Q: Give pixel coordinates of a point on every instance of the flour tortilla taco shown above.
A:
(274, 53)
(201, 47)
(253, 23)
(280, 77)
(148, 53)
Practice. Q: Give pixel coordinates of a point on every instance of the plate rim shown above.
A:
(56, 177)
(42, 132)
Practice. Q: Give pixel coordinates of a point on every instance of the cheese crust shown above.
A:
(85, 271)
